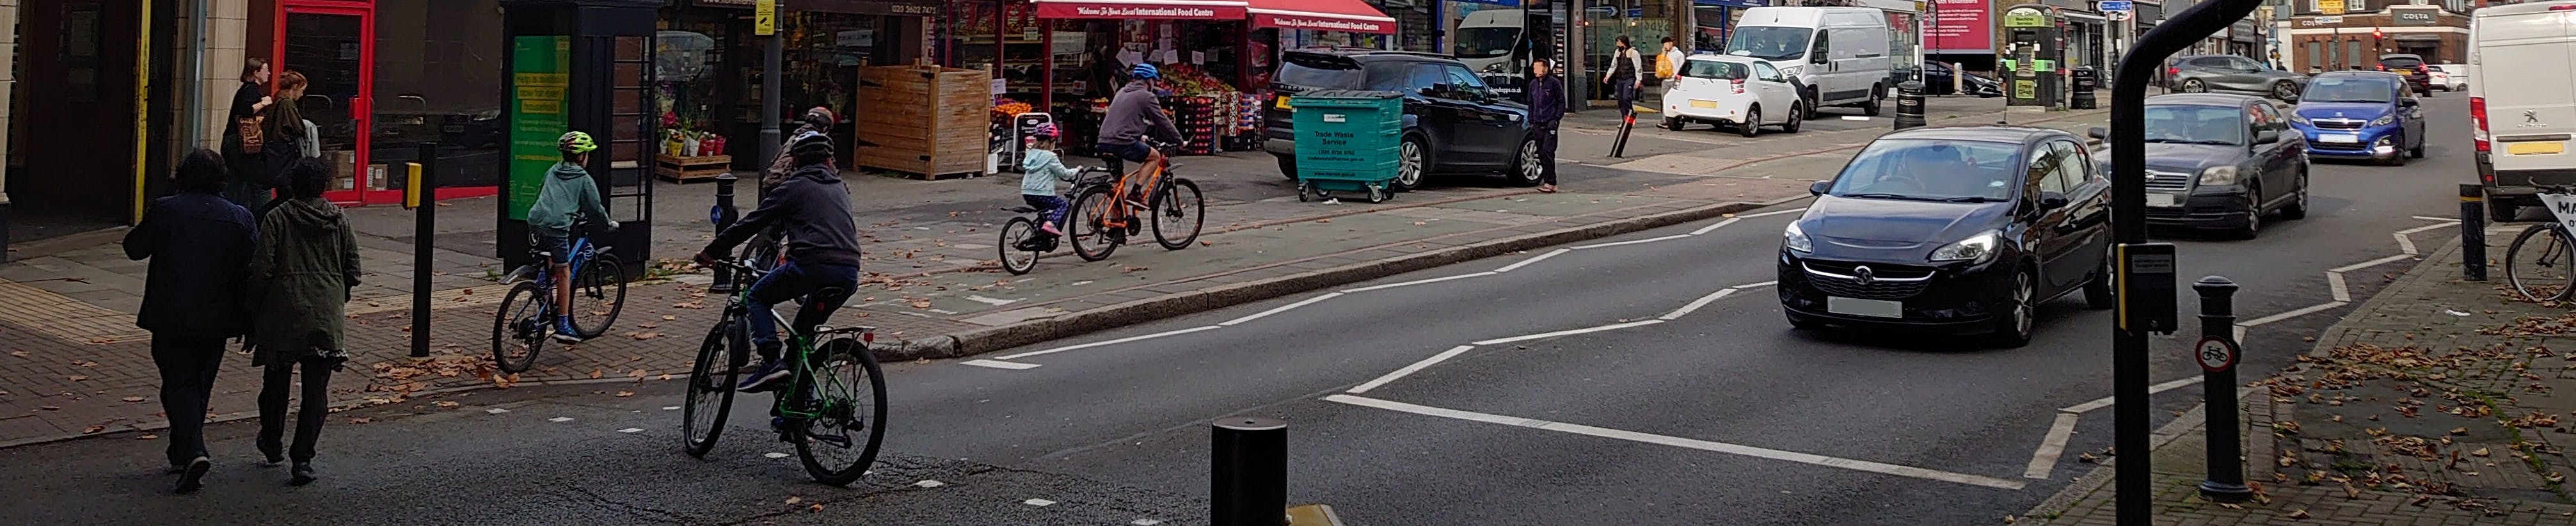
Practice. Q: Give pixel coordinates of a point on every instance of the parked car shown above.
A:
(2208, 73)
(1452, 121)
(1937, 80)
(2220, 161)
(1838, 55)
(2412, 68)
(1726, 90)
(1954, 229)
(2441, 77)
(2360, 115)
(2459, 74)
(2523, 110)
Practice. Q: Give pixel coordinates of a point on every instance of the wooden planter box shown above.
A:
(923, 120)
(687, 169)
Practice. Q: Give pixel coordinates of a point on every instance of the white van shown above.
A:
(2526, 122)
(1838, 54)
(1485, 39)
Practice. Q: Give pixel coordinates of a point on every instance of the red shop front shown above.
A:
(384, 76)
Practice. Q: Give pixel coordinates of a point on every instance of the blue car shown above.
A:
(2360, 115)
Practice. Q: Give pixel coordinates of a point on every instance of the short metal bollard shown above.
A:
(2473, 232)
(1909, 104)
(723, 215)
(1248, 473)
(2217, 353)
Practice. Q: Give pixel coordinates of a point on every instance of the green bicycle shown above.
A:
(833, 409)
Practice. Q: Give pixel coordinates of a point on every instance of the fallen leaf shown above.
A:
(93, 429)
(639, 373)
(667, 317)
(20, 354)
(133, 399)
(794, 500)
(444, 404)
(361, 420)
(78, 378)
(2460, 431)
(647, 335)
(147, 437)
(817, 508)
(2298, 514)
(623, 394)
(594, 374)
(2480, 452)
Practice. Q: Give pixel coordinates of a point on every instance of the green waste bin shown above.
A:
(1346, 142)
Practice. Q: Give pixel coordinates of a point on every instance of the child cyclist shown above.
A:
(1042, 169)
(568, 193)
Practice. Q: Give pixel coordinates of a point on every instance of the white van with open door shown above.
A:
(1838, 55)
(2525, 118)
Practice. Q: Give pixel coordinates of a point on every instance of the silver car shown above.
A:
(2230, 73)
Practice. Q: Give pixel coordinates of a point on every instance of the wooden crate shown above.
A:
(690, 169)
(923, 120)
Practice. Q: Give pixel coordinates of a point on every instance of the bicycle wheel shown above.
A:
(1178, 213)
(519, 327)
(1016, 259)
(1091, 239)
(2541, 271)
(711, 391)
(598, 293)
(840, 442)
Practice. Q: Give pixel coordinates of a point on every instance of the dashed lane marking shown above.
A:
(1108, 342)
(2045, 459)
(1703, 301)
(1569, 332)
(1279, 309)
(1632, 241)
(1535, 259)
(998, 364)
(2103, 402)
(1714, 226)
(1420, 282)
(1410, 369)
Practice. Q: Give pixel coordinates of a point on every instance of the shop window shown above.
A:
(437, 78)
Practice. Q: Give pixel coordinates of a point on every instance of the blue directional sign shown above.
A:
(2107, 6)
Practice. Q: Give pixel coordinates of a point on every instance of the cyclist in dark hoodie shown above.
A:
(812, 208)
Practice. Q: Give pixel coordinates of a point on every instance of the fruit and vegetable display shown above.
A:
(1186, 79)
(1010, 108)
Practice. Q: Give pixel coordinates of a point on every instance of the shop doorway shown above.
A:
(76, 132)
(334, 45)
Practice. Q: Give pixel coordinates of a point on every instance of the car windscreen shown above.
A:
(2401, 62)
(1769, 42)
(1711, 69)
(1487, 41)
(2349, 89)
(2174, 123)
(1931, 170)
(1321, 72)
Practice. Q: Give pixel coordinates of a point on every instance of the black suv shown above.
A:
(1453, 122)
(2411, 67)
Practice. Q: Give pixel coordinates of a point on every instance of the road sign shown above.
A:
(764, 18)
(2215, 354)
(2330, 7)
(2115, 16)
(2108, 6)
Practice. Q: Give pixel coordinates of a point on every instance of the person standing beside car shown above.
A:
(1624, 76)
(1547, 108)
(1668, 66)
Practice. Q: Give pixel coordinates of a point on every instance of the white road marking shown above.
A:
(2303, 311)
(631, 430)
(1714, 227)
(560, 419)
(496, 410)
(2045, 460)
(1703, 445)
(928, 483)
(1570, 332)
(1038, 502)
(1145, 522)
(2334, 285)
(1108, 342)
(1855, 118)
(1632, 241)
(1410, 369)
(1757, 285)
(1772, 213)
(2103, 402)
(2446, 223)
(1420, 281)
(1533, 259)
(998, 364)
(1280, 309)
(2371, 263)
(990, 301)
(2404, 244)
(1703, 301)
(2431, 218)
(670, 408)
(774, 454)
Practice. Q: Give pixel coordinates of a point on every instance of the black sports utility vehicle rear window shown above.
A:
(2401, 62)
(1309, 71)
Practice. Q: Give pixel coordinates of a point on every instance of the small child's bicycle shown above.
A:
(1021, 243)
(527, 314)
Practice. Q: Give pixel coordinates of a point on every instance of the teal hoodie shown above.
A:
(567, 190)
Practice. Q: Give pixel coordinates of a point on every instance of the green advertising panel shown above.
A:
(2025, 17)
(539, 70)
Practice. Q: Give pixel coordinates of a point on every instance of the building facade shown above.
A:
(2319, 39)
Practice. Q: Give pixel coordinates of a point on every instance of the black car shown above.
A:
(2207, 73)
(2220, 161)
(1941, 79)
(2411, 67)
(1955, 229)
(1452, 121)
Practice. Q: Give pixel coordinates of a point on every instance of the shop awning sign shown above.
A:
(1143, 9)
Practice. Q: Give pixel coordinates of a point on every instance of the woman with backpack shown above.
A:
(247, 138)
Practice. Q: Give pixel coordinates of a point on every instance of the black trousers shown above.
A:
(316, 404)
(188, 366)
(1547, 156)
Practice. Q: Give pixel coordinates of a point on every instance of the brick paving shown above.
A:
(2437, 402)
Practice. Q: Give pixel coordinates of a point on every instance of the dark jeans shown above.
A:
(794, 280)
(1050, 207)
(314, 406)
(1626, 90)
(188, 366)
(1547, 155)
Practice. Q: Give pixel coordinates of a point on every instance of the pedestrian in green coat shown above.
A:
(300, 277)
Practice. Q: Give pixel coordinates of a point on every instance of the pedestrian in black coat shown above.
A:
(1547, 108)
(248, 184)
(200, 246)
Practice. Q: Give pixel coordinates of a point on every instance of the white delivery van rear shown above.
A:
(1839, 54)
(2525, 123)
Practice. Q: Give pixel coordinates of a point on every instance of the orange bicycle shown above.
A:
(1105, 213)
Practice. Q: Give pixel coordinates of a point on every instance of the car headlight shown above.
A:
(1791, 71)
(2218, 176)
(2298, 119)
(1796, 240)
(2383, 120)
(1978, 248)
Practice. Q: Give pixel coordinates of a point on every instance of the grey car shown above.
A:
(2230, 73)
(2220, 161)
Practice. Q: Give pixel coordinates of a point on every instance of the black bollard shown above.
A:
(2218, 353)
(1619, 145)
(723, 215)
(424, 239)
(1248, 478)
(2473, 232)
(1909, 104)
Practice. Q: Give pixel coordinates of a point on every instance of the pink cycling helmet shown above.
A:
(1043, 130)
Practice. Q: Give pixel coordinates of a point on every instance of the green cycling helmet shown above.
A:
(576, 143)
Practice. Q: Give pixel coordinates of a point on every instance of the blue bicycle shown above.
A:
(526, 318)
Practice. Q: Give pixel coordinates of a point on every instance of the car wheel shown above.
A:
(1673, 123)
(1410, 163)
(1811, 98)
(2416, 152)
(2298, 208)
(2013, 324)
(1529, 167)
(2193, 86)
(1752, 123)
(1877, 95)
(2253, 215)
(2098, 292)
(2285, 91)
(1288, 167)
(1797, 118)
(2394, 142)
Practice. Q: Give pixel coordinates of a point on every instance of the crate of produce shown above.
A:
(690, 169)
(1346, 142)
(923, 120)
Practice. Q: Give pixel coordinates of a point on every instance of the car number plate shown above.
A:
(2164, 200)
(2535, 148)
(1703, 104)
(2345, 138)
(1862, 307)
(2405, 72)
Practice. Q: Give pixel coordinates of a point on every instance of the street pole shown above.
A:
(2217, 353)
(424, 239)
(770, 71)
(2473, 232)
(2144, 307)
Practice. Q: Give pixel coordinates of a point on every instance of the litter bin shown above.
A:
(1346, 142)
(2085, 79)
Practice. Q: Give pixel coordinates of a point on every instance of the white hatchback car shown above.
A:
(1727, 90)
